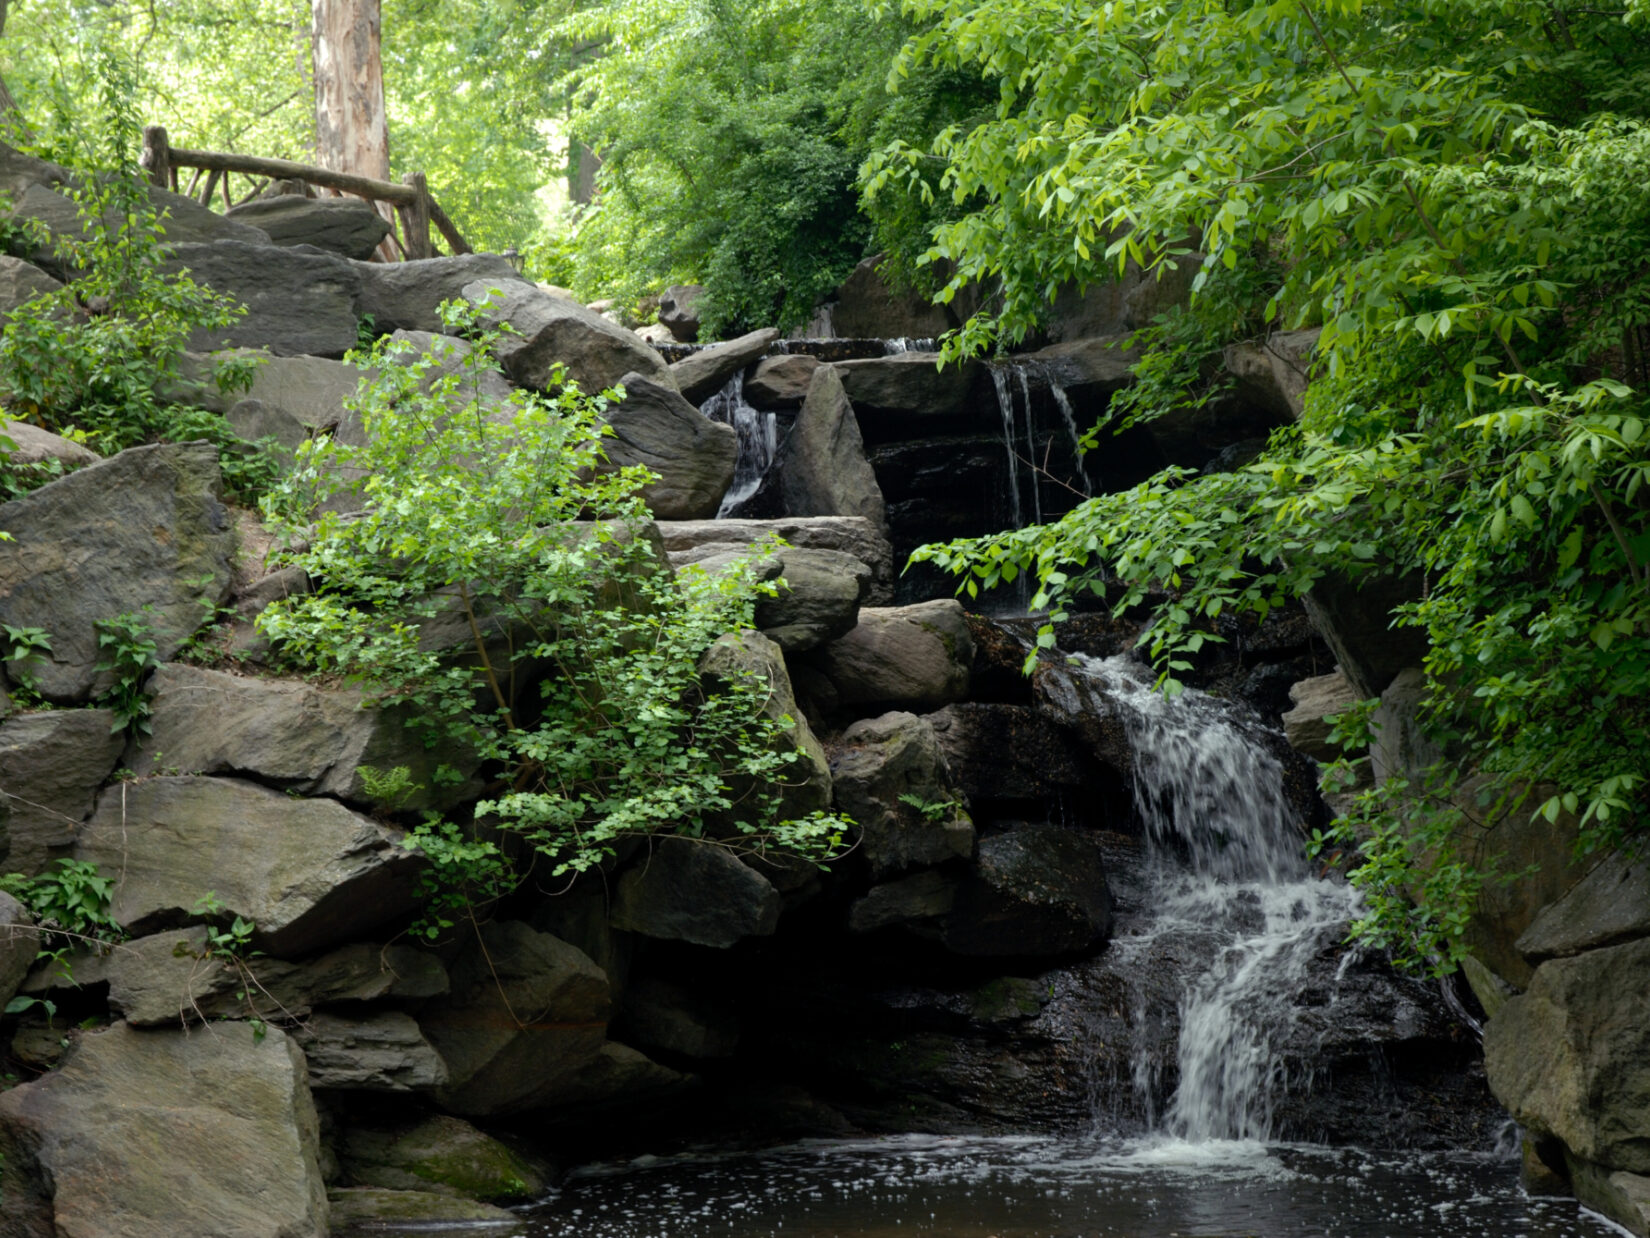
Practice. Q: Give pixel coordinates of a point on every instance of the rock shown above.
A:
(823, 469)
(31, 445)
(622, 1074)
(655, 333)
(51, 766)
(254, 421)
(310, 389)
(405, 296)
(1097, 366)
(187, 222)
(667, 1018)
(922, 898)
(882, 761)
(1401, 747)
(1273, 373)
(552, 330)
(308, 873)
(345, 226)
(141, 1132)
(697, 892)
(579, 916)
(1570, 1057)
(1355, 618)
(142, 531)
(702, 374)
(1622, 1197)
(915, 657)
(18, 171)
(448, 355)
(679, 311)
(525, 1021)
(818, 601)
(1008, 752)
(780, 382)
(851, 535)
(693, 455)
(380, 1052)
(289, 734)
(910, 385)
(806, 787)
(1608, 906)
(21, 281)
(867, 308)
(296, 302)
(1040, 890)
(370, 1209)
(445, 1155)
(1306, 726)
(19, 943)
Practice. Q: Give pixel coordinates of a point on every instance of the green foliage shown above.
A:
(69, 902)
(932, 811)
(24, 648)
(570, 651)
(127, 646)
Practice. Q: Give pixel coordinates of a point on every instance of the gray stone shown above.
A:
(693, 456)
(311, 389)
(32, 445)
(139, 1132)
(818, 598)
(405, 296)
(1401, 747)
(1273, 373)
(1608, 906)
(1355, 618)
(369, 1209)
(51, 766)
(445, 1155)
(255, 421)
(1570, 1057)
(296, 302)
(1040, 890)
(866, 307)
(579, 916)
(924, 898)
(685, 890)
(668, 1018)
(620, 1073)
(914, 657)
(823, 469)
(1099, 365)
(187, 222)
(21, 281)
(142, 531)
(679, 311)
(1306, 726)
(780, 382)
(19, 942)
(346, 226)
(852, 535)
(911, 384)
(289, 734)
(448, 355)
(551, 331)
(18, 171)
(882, 760)
(1622, 1197)
(308, 873)
(379, 1052)
(702, 374)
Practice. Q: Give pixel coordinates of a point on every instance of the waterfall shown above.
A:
(1063, 402)
(1231, 885)
(905, 344)
(1005, 405)
(758, 440)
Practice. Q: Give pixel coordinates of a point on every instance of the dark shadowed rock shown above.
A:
(345, 226)
(51, 766)
(668, 1018)
(679, 311)
(1038, 890)
(693, 455)
(1355, 618)
(141, 531)
(19, 943)
(702, 374)
(441, 1154)
(780, 382)
(405, 296)
(296, 302)
(1007, 752)
(139, 1132)
(1608, 906)
(550, 330)
(880, 763)
(1273, 373)
(906, 656)
(383, 1051)
(823, 468)
(922, 899)
(697, 892)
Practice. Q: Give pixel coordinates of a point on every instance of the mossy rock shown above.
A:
(372, 1207)
(445, 1156)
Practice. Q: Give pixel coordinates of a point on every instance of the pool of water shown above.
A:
(1047, 1188)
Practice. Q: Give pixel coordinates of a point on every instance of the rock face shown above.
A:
(552, 330)
(1037, 890)
(916, 657)
(1274, 372)
(441, 1154)
(186, 222)
(702, 374)
(679, 311)
(1608, 906)
(51, 765)
(818, 601)
(688, 541)
(1315, 700)
(696, 892)
(867, 308)
(405, 296)
(911, 386)
(693, 455)
(1355, 618)
(140, 1131)
(296, 302)
(141, 531)
(823, 470)
(311, 389)
(344, 226)
(379, 1052)
(309, 873)
(882, 762)
(780, 382)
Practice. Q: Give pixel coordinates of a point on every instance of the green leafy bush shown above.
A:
(69, 902)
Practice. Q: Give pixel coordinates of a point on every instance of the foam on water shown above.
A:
(758, 440)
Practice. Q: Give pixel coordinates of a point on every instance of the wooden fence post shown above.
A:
(415, 218)
(156, 158)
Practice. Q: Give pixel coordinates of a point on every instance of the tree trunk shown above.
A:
(12, 124)
(352, 132)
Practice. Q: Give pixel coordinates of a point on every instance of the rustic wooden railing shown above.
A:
(415, 208)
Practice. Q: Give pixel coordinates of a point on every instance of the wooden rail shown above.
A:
(414, 206)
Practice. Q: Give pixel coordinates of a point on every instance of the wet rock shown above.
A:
(1096, 366)
(696, 892)
(1622, 1197)
(21, 281)
(702, 374)
(308, 873)
(1007, 752)
(1570, 1057)
(907, 656)
(552, 330)
(380, 1052)
(524, 1024)
(666, 1018)
(679, 311)
(1306, 726)
(143, 531)
(911, 387)
(445, 1155)
(693, 455)
(818, 600)
(1273, 373)
(368, 1209)
(138, 1130)
(823, 469)
(924, 898)
(345, 226)
(406, 296)
(1036, 891)
(296, 302)
(780, 382)
(1608, 906)
(687, 541)
(891, 777)
(51, 766)
(289, 734)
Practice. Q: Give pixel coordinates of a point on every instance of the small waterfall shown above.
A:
(758, 440)
(905, 344)
(1005, 404)
(1063, 402)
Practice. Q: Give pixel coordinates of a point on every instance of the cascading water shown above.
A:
(1005, 404)
(758, 440)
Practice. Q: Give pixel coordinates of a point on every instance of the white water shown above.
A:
(758, 440)
(1005, 405)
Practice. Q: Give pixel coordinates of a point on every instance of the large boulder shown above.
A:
(693, 456)
(669, 1018)
(308, 873)
(31, 445)
(1608, 906)
(365, 1209)
(289, 734)
(780, 382)
(1315, 701)
(296, 302)
(868, 308)
(920, 901)
(823, 468)
(144, 1132)
(911, 657)
(186, 222)
(381, 1051)
(18, 171)
(527, 1017)
(689, 541)
(345, 226)
(702, 374)
(1098, 366)
(912, 387)
(699, 892)
(1038, 890)
(818, 598)
(441, 1154)
(21, 281)
(1355, 618)
(1009, 752)
(1570, 1057)
(891, 777)
(1273, 373)
(142, 531)
(549, 330)
(51, 766)
(311, 389)
(679, 311)
(406, 296)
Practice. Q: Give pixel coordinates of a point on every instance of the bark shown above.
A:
(352, 132)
